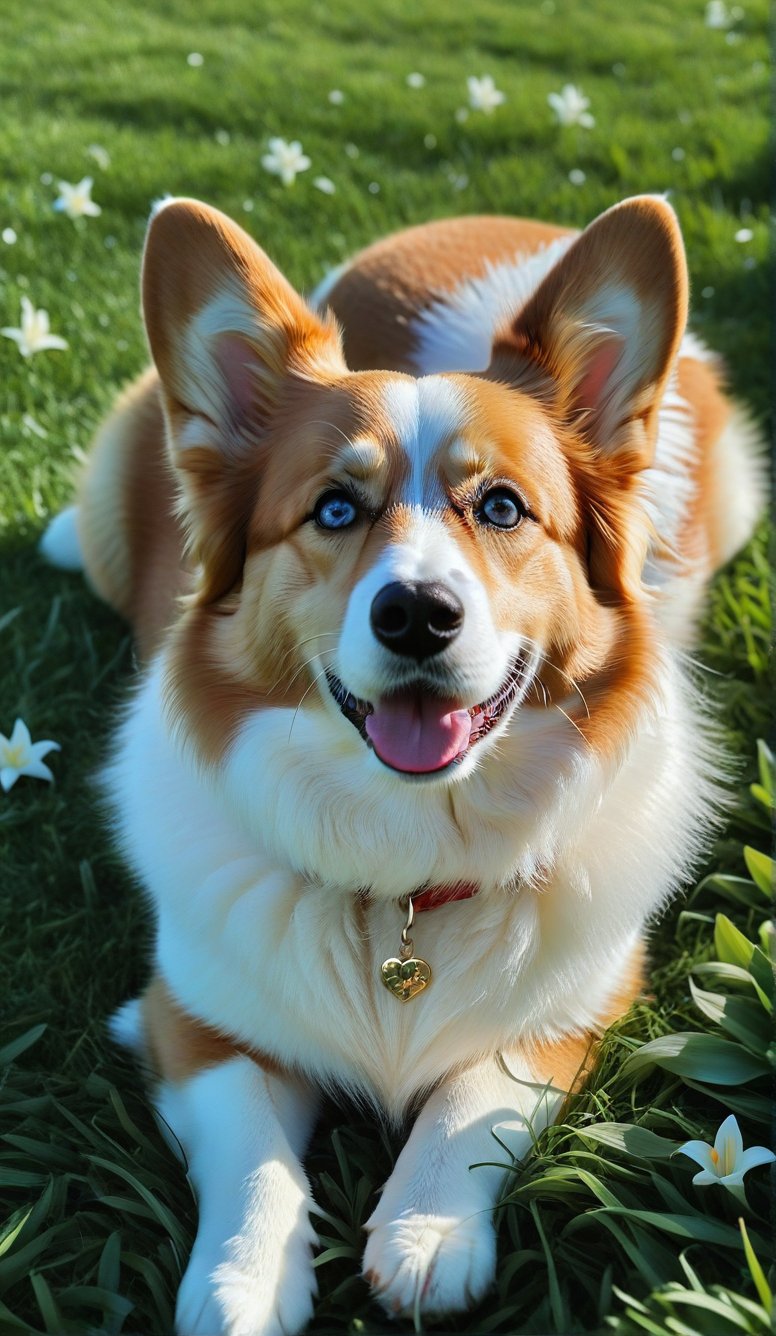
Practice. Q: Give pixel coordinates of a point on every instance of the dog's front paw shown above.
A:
(253, 1292)
(442, 1264)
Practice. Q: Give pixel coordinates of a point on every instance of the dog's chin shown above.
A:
(423, 737)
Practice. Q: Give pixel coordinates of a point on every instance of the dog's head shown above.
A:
(413, 565)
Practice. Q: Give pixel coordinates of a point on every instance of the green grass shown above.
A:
(98, 1216)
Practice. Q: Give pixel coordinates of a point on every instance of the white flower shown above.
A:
(19, 755)
(9, 236)
(285, 160)
(33, 336)
(483, 94)
(325, 185)
(577, 176)
(718, 15)
(416, 80)
(726, 1161)
(743, 234)
(571, 106)
(336, 97)
(101, 156)
(195, 59)
(76, 201)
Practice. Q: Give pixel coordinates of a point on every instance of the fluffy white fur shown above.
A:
(60, 544)
(228, 860)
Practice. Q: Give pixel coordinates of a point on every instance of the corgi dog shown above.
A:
(413, 759)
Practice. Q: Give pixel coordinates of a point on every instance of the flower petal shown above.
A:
(21, 735)
(8, 777)
(729, 1145)
(40, 749)
(705, 1178)
(753, 1156)
(700, 1152)
(37, 770)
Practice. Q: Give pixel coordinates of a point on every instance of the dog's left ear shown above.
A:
(597, 342)
(231, 340)
(604, 327)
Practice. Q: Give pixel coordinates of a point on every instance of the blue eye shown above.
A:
(335, 510)
(501, 508)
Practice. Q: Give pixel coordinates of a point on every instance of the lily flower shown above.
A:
(19, 755)
(76, 201)
(571, 106)
(726, 1161)
(483, 94)
(33, 334)
(285, 160)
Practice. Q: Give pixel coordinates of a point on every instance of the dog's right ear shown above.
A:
(228, 335)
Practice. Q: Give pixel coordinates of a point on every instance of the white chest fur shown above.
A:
(291, 965)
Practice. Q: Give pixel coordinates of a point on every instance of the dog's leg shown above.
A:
(243, 1126)
(432, 1242)
(250, 1271)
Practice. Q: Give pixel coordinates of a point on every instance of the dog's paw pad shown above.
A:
(443, 1264)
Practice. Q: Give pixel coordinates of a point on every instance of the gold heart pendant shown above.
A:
(405, 978)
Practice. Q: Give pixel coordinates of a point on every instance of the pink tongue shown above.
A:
(417, 733)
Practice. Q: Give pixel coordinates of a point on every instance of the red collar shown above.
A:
(431, 897)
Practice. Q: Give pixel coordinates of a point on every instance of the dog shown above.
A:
(414, 757)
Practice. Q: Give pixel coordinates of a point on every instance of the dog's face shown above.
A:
(411, 534)
(408, 566)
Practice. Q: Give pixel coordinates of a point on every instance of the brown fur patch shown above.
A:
(701, 541)
(132, 543)
(179, 1045)
(387, 285)
(568, 1062)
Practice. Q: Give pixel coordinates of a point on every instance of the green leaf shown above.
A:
(17, 1046)
(743, 1018)
(12, 1228)
(760, 868)
(47, 1304)
(743, 1103)
(694, 1228)
(631, 1140)
(739, 889)
(706, 1301)
(732, 946)
(557, 1302)
(702, 1056)
(766, 764)
(762, 796)
(758, 1275)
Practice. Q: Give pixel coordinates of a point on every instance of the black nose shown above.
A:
(417, 619)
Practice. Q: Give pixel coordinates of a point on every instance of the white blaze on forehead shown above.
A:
(478, 659)
(425, 415)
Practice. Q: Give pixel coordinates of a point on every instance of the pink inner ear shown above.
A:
(238, 363)
(592, 389)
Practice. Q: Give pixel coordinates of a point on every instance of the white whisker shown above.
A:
(317, 678)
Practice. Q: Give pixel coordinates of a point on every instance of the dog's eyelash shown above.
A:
(464, 502)
(360, 500)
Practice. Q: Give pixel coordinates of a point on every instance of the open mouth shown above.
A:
(418, 733)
